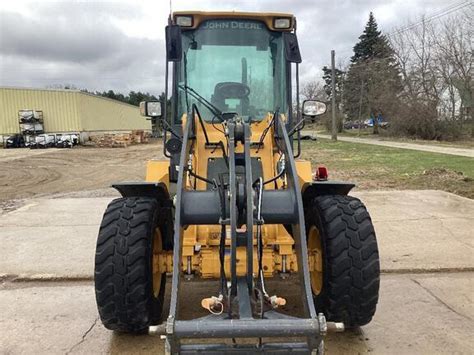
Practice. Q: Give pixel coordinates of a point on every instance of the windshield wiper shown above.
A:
(214, 110)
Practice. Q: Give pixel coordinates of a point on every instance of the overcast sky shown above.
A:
(119, 45)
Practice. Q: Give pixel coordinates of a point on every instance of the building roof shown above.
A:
(66, 91)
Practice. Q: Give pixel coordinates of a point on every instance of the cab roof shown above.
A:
(266, 17)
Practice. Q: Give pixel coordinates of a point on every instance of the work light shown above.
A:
(282, 23)
(184, 21)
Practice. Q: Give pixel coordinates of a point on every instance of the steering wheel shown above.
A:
(232, 90)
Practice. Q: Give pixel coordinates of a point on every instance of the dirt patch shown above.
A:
(441, 173)
(14, 154)
(89, 172)
(10, 205)
(81, 171)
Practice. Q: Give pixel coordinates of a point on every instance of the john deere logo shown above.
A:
(233, 25)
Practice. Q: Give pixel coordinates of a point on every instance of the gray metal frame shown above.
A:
(202, 207)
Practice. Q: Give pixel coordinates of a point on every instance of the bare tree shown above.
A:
(436, 63)
(313, 90)
(455, 62)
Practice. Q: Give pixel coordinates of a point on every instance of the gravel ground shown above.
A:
(77, 172)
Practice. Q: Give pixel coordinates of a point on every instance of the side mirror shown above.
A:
(292, 50)
(313, 108)
(174, 47)
(150, 108)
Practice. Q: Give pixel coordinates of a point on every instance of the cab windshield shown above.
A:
(237, 65)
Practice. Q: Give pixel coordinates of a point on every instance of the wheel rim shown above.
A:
(157, 273)
(315, 249)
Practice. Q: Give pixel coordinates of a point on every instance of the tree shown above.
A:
(327, 77)
(436, 63)
(373, 80)
(133, 98)
(62, 86)
(371, 42)
(339, 80)
(313, 90)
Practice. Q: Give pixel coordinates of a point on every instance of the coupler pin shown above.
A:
(213, 304)
(277, 301)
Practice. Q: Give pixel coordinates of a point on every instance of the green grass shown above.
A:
(383, 135)
(375, 167)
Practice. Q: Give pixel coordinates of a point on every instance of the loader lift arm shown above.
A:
(243, 324)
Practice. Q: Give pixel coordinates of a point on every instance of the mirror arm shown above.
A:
(165, 109)
(297, 127)
(298, 111)
(170, 129)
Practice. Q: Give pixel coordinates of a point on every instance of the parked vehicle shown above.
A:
(43, 141)
(370, 121)
(354, 125)
(15, 141)
(66, 140)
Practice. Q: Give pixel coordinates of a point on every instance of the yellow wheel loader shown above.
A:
(232, 202)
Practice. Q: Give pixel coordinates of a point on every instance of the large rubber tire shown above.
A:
(123, 264)
(350, 259)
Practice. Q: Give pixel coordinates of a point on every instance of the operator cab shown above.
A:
(236, 64)
(229, 65)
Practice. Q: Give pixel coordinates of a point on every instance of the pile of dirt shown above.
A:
(445, 174)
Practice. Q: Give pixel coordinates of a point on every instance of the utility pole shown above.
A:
(360, 105)
(333, 96)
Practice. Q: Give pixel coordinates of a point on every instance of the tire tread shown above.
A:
(122, 263)
(351, 260)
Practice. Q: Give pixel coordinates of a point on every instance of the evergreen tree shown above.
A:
(372, 43)
(373, 81)
(134, 98)
(327, 77)
(339, 81)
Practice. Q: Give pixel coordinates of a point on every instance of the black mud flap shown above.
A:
(319, 188)
(156, 190)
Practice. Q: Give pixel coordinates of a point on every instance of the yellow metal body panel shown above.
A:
(265, 17)
(305, 173)
(206, 262)
(200, 252)
(158, 171)
(267, 154)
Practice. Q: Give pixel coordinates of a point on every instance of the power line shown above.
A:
(436, 15)
(446, 11)
(423, 19)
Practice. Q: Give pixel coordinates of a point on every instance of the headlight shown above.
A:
(282, 23)
(184, 21)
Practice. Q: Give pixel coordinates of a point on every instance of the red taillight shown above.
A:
(321, 173)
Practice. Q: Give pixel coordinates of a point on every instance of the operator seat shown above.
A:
(231, 90)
